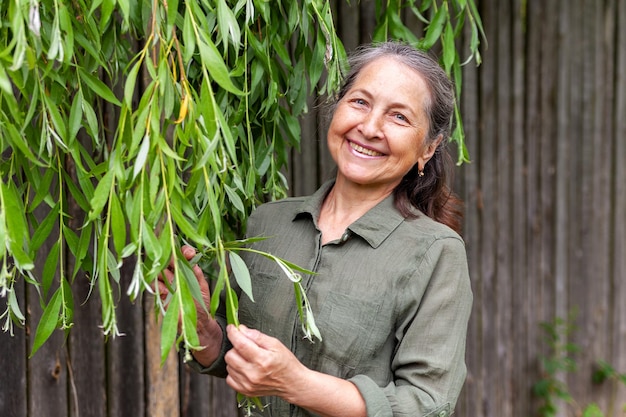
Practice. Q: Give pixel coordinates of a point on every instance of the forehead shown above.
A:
(388, 76)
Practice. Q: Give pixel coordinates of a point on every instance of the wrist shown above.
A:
(210, 338)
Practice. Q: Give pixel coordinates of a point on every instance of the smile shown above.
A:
(363, 150)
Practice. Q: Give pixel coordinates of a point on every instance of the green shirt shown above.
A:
(391, 299)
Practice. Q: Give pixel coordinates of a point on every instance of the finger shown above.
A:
(188, 252)
(260, 339)
(251, 345)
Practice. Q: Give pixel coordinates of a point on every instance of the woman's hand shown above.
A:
(209, 331)
(260, 365)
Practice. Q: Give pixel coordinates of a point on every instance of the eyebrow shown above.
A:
(392, 105)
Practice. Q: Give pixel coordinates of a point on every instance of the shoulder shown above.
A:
(274, 216)
(286, 207)
(430, 230)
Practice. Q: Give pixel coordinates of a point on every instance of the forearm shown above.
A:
(326, 395)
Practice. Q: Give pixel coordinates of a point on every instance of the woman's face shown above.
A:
(378, 129)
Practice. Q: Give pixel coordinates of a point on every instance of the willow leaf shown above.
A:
(169, 328)
(48, 322)
(433, 33)
(16, 225)
(101, 195)
(98, 87)
(214, 63)
(242, 274)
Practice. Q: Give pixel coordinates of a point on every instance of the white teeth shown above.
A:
(362, 150)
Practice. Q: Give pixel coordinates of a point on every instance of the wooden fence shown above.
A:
(545, 118)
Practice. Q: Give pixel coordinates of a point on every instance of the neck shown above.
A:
(344, 204)
(349, 197)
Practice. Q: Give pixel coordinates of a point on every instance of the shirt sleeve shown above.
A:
(429, 363)
(218, 367)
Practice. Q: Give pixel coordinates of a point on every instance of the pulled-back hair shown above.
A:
(431, 192)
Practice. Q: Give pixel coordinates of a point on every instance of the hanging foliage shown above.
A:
(129, 128)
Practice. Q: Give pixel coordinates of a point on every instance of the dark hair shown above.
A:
(431, 192)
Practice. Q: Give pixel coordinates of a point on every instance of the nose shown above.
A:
(371, 125)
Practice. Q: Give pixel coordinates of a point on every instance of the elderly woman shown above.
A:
(391, 293)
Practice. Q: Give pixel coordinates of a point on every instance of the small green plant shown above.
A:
(553, 389)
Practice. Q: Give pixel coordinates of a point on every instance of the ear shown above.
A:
(428, 152)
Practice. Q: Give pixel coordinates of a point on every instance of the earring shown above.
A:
(420, 173)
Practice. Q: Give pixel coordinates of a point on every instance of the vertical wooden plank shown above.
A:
(303, 166)
(598, 277)
(501, 222)
(492, 377)
(13, 353)
(367, 12)
(126, 381)
(538, 291)
(618, 343)
(206, 396)
(47, 371)
(471, 400)
(195, 393)
(589, 289)
(86, 362)
(521, 287)
(162, 387)
(227, 404)
(348, 24)
(564, 173)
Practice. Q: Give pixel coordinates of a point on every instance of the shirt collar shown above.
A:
(374, 226)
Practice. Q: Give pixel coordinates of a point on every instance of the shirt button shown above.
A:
(443, 414)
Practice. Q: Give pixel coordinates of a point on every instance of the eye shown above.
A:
(401, 117)
(359, 101)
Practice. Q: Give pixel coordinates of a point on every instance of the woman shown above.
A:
(391, 294)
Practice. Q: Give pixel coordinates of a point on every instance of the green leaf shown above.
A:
(48, 322)
(101, 195)
(5, 82)
(187, 228)
(14, 306)
(217, 291)
(129, 85)
(433, 33)
(213, 62)
(191, 282)
(189, 37)
(16, 226)
(169, 328)
(228, 26)
(232, 307)
(142, 156)
(189, 313)
(151, 243)
(449, 48)
(242, 274)
(76, 116)
(98, 87)
(235, 199)
(19, 142)
(125, 9)
(118, 225)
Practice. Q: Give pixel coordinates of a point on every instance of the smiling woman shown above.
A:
(377, 134)
(390, 285)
